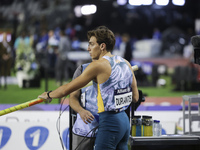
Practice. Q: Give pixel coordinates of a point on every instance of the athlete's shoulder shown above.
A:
(100, 64)
(127, 62)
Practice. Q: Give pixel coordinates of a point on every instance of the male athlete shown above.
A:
(116, 88)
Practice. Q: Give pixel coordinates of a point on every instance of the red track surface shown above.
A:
(165, 101)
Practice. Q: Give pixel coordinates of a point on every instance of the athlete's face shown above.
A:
(94, 48)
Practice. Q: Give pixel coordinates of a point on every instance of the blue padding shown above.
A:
(165, 108)
(38, 107)
(160, 108)
(193, 107)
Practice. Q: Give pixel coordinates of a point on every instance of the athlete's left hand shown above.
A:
(86, 116)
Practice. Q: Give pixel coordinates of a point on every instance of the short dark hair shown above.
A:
(103, 35)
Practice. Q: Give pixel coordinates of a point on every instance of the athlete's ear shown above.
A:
(102, 46)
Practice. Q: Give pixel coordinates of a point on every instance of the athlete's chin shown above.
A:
(92, 57)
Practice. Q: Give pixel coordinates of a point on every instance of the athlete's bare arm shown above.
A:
(90, 73)
(135, 94)
(85, 115)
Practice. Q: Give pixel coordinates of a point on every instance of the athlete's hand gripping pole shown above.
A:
(21, 106)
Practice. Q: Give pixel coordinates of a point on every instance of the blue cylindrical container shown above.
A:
(136, 126)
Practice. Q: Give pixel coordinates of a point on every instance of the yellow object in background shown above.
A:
(147, 126)
(136, 124)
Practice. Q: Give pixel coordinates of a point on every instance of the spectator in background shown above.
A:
(42, 43)
(42, 52)
(76, 43)
(57, 33)
(62, 62)
(156, 34)
(126, 47)
(21, 40)
(25, 61)
(52, 48)
(118, 41)
(5, 58)
(70, 31)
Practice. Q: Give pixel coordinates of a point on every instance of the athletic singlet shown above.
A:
(89, 102)
(115, 94)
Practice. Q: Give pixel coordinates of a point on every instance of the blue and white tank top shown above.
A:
(89, 102)
(115, 94)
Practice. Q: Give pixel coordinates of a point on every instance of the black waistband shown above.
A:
(112, 112)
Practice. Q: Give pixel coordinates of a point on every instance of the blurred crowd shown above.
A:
(46, 53)
(44, 33)
(36, 55)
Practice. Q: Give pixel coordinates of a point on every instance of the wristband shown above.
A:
(48, 94)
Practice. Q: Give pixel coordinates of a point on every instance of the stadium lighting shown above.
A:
(140, 2)
(135, 2)
(147, 2)
(121, 2)
(88, 9)
(178, 2)
(77, 11)
(162, 2)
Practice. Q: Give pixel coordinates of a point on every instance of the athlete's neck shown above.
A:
(106, 54)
